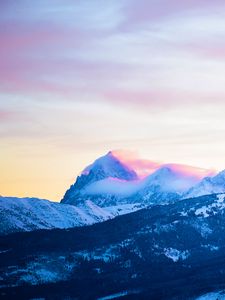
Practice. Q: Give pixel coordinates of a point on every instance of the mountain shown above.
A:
(173, 251)
(172, 179)
(104, 168)
(105, 189)
(209, 185)
(109, 166)
(28, 214)
(108, 181)
(166, 184)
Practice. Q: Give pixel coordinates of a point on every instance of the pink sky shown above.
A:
(79, 78)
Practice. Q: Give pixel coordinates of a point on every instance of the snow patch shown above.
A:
(212, 296)
(202, 211)
(206, 211)
(175, 254)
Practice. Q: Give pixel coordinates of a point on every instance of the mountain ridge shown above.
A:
(102, 184)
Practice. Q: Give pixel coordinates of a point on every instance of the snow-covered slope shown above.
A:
(209, 185)
(27, 214)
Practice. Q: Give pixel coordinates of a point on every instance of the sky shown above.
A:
(80, 78)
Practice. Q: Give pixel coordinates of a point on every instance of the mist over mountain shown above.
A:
(209, 185)
(111, 181)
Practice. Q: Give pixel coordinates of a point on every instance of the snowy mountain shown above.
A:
(209, 185)
(166, 184)
(105, 189)
(109, 166)
(108, 181)
(106, 167)
(27, 214)
(171, 179)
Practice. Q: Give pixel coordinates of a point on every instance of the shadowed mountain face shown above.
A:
(173, 251)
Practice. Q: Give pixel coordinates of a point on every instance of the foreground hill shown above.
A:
(173, 251)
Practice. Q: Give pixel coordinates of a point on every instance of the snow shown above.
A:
(213, 208)
(183, 213)
(212, 296)
(30, 213)
(209, 185)
(4, 251)
(202, 227)
(111, 166)
(202, 211)
(26, 214)
(113, 178)
(114, 296)
(175, 254)
(164, 179)
(171, 179)
(124, 208)
(220, 198)
(43, 269)
(211, 247)
(167, 179)
(40, 276)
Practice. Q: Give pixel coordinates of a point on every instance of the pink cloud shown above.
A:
(9, 115)
(142, 11)
(210, 50)
(145, 167)
(195, 172)
(33, 58)
(5, 115)
(142, 167)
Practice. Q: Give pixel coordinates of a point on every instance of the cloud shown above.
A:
(142, 167)
(144, 11)
(5, 115)
(145, 167)
(113, 186)
(59, 48)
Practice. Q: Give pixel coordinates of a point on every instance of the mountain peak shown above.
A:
(220, 175)
(107, 166)
(172, 177)
(209, 185)
(112, 177)
(110, 166)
